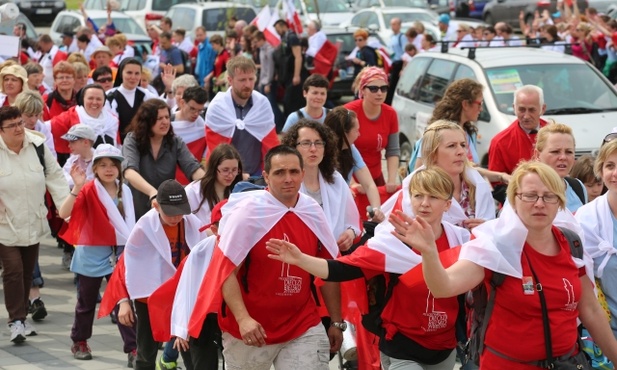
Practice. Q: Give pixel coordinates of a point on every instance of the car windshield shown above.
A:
(124, 25)
(324, 6)
(407, 3)
(568, 88)
(408, 17)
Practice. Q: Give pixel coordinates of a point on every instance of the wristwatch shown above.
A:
(339, 325)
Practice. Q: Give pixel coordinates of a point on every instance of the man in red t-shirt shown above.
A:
(516, 143)
(270, 316)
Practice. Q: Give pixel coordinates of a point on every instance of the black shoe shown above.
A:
(37, 309)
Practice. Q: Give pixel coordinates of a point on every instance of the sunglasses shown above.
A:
(104, 79)
(610, 137)
(374, 89)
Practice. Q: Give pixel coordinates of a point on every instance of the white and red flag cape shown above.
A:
(194, 136)
(324, 53)
(96, 220)
(221, 121)
(265, 23)
(247, 217)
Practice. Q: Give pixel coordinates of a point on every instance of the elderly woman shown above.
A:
(13, 80)
(555, 146)
(410, 335)
(378, 127)
(316, 143)
(531, 252)
(89, 111)
(30, 104)
(28, 170)
(178, 86)
(63, 97)
(151, 152)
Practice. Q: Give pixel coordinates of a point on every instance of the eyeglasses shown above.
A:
(307, 144)
(14, 125)
(63, 78)
(374, 89)
(104, 79)
(479, 102)
(228, 171)
(533, 198)
(359, 40)
(610, 137)
(193, 110)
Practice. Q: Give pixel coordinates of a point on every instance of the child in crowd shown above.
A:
(102, 217)
(81, 141)
(583, 170)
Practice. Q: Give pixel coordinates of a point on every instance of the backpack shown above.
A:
(40, 152)
(577, 187)
(186, 62)
(301, 115)
(483, 302)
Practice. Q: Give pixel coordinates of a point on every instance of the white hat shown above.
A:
(107, 151)
(79, 131)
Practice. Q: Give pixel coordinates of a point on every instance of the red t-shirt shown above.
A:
(511, 146)
(220, 62)
(418, 315)
(515, 328)
(374, 134)
(279, 295)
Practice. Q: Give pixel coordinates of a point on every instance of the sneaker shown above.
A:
(132, 357)
(37, 309)
(29, 329)
(81, 351)
(18, 332)
(162, 365)
(66, 260)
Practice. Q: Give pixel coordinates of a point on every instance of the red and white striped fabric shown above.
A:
(147, 255)
(221, 121)
(324, 53)
(194, 136)
(293, 19)
(265, 23)
(247, 217)
(96, 220)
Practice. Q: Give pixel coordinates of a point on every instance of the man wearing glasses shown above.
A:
(104, 77)
(190, 126)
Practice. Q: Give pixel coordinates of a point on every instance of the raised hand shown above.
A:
(416, 233)
(78, 175)
(284, 251)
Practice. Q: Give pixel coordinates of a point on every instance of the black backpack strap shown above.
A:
(50, 99)
(496, 280)
(574, 240)
(40, 152)
(577, 187)
(299, 113)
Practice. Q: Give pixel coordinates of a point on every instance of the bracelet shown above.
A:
(353, 231)
(152, 198)
(75, 195)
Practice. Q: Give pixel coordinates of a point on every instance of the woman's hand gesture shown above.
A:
(78, 175)
(284, 251)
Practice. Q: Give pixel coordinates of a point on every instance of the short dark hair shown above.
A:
(83, 38)
(281, 150)
(281, 22)
(167, 20)
(259, 36)
(195, 93)
(166, 35)
(316, 80)
(82, 92)
(7, 113)
(180, 32)
(216, 39)
(100, 71)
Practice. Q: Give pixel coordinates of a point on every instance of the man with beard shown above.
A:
(251, 129)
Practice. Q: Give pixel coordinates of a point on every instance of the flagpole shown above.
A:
(317, 10)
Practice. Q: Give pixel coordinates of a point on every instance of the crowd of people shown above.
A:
(222, 222)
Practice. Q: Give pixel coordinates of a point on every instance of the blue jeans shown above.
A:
(37, 278)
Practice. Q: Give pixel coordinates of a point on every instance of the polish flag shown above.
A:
(265, 23)
(293, 19)
(194, 136)
(325, 58)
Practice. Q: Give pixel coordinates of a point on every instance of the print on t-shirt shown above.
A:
(572, 304)
(435, 320)
(379, 143)
(291, 284)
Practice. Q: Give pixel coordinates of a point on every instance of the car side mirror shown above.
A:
(373, 27)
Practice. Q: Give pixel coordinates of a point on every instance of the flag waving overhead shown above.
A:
(265, 23)
(293, 19)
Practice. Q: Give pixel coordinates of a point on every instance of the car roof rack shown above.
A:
(537, 43)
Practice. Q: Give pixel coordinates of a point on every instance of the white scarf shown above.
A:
(338, 205)
(147, 253)
(597, 224)
(193, 194)
(122, 225)
(190, 131)
(221, 116)
(257, 212)
(105, 124)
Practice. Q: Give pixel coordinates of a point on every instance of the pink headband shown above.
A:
(370, 74)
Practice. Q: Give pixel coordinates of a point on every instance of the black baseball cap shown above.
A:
(172, 198)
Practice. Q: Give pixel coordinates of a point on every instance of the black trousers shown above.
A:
(205, 349)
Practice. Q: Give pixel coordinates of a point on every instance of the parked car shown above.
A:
(213, 15)
(575, 92)
(378, 20)
(143, 11)
(343, 69)
(469, 8)
(509, 10)
(442, 6)
(363, 4)
(70, 20)
(331, 12)
(6, 27)
(38, 10)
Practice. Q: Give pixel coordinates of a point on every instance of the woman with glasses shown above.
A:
(223, 172)
(378, 127)
(89, 111)
(29, 169)
(526, 246)
(63, 96)
(151, 153)
(366, 56)
(317, 145)
(555, 146)
(599, 224)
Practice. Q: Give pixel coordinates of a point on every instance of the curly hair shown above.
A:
(451, 105)
(340, 121)
(329, 163)
(207, 183)
(142, 122)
